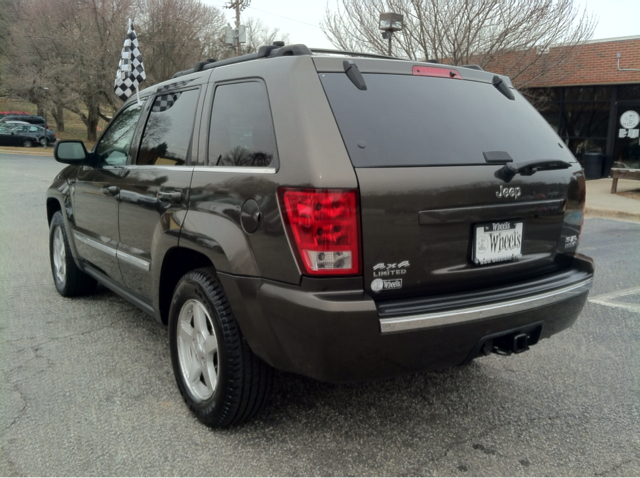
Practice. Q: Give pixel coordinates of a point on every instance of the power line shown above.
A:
(286, 18)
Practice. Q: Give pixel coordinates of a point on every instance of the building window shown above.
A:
(580, 115)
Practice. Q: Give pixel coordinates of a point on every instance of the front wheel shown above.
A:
(219, 377)
(70, 281)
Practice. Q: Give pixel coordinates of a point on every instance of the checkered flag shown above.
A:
(130, 69)
(164, 102)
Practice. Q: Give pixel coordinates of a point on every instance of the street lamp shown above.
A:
(389, 23)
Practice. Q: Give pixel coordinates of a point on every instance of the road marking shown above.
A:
(607, 299)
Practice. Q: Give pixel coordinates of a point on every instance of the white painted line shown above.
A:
(607, 299)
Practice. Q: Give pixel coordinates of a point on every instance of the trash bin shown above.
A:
(592, 164)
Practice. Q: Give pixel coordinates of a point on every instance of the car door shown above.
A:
(95, 196)
(7, 138)
(19, 135)
(154, 189)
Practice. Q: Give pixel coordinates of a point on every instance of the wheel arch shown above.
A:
(175, 264)
(53, 206)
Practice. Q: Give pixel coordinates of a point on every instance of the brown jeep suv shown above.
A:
(341, 216)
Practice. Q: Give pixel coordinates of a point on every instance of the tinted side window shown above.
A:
(241, 131)
(116, 140)
(167, 134)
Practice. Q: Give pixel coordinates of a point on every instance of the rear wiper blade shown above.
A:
(527, 168)
(353, 73)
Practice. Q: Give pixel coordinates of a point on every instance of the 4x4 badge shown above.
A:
(392, 269)
(509, 192)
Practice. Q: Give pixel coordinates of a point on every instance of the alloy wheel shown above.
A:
(198, 350)
(59, 256)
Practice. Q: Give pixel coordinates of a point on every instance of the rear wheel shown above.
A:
(43, 142)
(69, 280)
(219, 377)
(27, 143)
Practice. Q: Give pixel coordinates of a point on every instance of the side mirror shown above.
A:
(71, 152)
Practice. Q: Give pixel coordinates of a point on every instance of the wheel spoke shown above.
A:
(200, 319)
(194, 372)
(210, 377)
(186, 332)
(211, 345)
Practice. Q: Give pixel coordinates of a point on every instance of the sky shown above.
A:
(301, 18)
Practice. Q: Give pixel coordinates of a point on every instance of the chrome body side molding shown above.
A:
(139, 263)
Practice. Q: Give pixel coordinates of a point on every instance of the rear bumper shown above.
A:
(344, 336)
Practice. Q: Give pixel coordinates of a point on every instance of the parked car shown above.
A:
(6, 113)
(11, 124)
(31, 119)
(344, 217)
(26, 135)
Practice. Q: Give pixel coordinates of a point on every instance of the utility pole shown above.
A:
(238, 5)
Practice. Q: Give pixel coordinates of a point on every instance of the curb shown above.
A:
(29, 151)
(603, 212)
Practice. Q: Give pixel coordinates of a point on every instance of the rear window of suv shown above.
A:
(402, 120)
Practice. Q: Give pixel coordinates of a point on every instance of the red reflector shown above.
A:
(324, 228)
(437, 72)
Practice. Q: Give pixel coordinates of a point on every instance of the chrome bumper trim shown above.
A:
(470, 314)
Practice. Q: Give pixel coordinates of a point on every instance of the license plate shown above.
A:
(497, 242)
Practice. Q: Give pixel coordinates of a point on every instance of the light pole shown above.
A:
(238, 5)
(389, 23)
(44, 104)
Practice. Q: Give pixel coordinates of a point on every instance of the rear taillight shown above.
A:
(436, 72)
(324, 229)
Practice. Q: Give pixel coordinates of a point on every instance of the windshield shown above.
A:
(402, 120)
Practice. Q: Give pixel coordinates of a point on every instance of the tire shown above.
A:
(69, 280)
(219, 377)
(43, 142)
(27, 143)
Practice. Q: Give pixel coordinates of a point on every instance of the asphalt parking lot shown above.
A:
(87, 387)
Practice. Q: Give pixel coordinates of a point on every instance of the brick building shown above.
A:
(592, 99)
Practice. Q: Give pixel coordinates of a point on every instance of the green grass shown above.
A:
(74, 127)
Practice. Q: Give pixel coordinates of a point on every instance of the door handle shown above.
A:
(170, 196)
(111, 190)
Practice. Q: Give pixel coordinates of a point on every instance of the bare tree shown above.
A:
(175, 34)
(509, 36)
(71, 47)
(259, 34)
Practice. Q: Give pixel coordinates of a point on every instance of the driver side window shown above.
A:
(114, 145)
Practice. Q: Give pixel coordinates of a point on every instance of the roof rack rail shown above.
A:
(277, 49)
(353, 53)
(473, 67)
